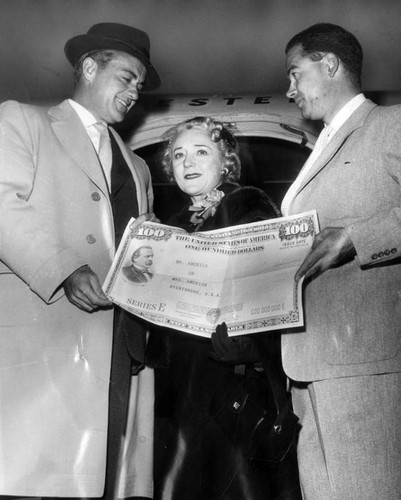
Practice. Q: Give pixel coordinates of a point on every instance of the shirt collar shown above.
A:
(346, 111)
(85, 115)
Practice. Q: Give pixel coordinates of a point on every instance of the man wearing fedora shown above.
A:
(68, 187)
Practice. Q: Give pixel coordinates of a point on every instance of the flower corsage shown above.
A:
(207, 208)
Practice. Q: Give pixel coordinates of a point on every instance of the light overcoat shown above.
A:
(54, 358)
(353, 312)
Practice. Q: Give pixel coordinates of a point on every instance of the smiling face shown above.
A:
(110, 92)
(309, 84)
(197, 163)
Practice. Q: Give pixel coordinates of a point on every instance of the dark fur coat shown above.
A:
(192, 454)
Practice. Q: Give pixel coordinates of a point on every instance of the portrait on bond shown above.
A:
(139, 271)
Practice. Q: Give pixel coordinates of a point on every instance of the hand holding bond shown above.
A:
(82, 288)
(331, 248)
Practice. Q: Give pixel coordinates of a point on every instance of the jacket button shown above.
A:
(374, 256)
(95, 196)
(381, 255)
(90, 239)
(387, 252)
(393, 250)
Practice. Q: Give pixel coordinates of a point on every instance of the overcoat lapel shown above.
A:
(355, 121)
(69, 130)
(71, 133)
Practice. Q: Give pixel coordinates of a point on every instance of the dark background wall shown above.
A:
(198, 46)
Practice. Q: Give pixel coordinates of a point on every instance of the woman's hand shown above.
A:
(236, 351)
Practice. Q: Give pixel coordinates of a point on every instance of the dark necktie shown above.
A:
(122, 192)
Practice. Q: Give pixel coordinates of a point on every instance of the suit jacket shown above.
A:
(353, 312)
(55, 359)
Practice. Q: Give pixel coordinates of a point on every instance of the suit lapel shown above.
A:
(355, 121)
(139, 184)
(71, 132)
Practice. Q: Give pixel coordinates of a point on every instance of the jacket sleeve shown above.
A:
(377, 238)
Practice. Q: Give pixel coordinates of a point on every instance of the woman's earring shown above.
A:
(224, 171)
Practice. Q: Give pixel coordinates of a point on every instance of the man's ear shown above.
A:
(333, 63)
(89, 68)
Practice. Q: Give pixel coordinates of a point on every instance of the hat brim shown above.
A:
(82, 44)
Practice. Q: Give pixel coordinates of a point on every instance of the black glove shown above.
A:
(236, 351)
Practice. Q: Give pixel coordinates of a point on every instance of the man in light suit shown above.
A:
(63, 209)
(139, 270)
(345, 364)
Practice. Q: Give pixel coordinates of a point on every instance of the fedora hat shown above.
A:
(114, 36)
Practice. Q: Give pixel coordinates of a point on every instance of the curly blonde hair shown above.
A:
(219, 134)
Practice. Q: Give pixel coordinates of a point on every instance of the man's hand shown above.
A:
(233, 351)
(331, 248)
(150, 216)
(82, 288)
